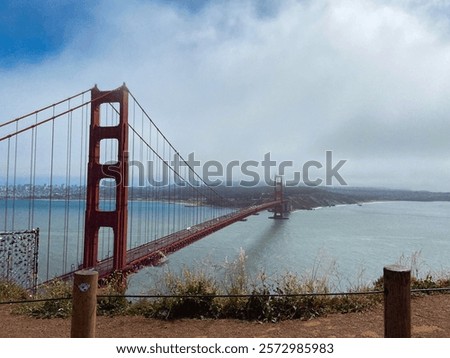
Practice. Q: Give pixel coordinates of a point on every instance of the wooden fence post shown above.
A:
(84, 309)
(397, 302)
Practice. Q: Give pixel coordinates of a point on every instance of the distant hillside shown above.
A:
(238, 196)
(311, 197)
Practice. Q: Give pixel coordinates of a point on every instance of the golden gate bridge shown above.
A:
(74, 169)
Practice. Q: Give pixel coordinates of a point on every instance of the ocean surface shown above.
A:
(348, 244)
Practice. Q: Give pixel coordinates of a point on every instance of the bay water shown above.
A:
(348, 244)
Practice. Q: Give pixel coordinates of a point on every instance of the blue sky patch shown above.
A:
(33, 30)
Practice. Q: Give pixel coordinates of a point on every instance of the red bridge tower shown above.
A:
(118, 218)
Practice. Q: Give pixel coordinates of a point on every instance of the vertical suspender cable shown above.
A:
(15, 177)
(7, 185)
(50, 196)
(140, 188)
(33, 182)
(180, 204)
(80, 183)
(131, 184)
(142, 185)
(85, 169)
(152, 176)
(67, 189)
(30, 199)
(173, 194)
(167, 209)
(147, 234)
(158, 165)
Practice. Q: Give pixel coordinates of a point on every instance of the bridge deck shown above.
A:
(150, 253)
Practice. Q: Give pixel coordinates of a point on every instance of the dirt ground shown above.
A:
(430, 318)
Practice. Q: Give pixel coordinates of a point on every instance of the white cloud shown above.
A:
(369, 80)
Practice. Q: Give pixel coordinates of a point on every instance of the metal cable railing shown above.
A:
(256, 295)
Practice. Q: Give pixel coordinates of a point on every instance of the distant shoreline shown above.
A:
(300, 198)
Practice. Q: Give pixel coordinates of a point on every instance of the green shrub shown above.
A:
(114, 285)
(235, 284)
(59, 304)
(10, 291)
(259, 304)
(293, 305)
(186, 305)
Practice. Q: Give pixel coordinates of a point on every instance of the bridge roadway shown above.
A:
(151, 253)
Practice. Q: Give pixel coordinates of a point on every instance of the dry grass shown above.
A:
(194, 294)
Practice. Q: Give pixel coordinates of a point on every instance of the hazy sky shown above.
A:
(233, 80)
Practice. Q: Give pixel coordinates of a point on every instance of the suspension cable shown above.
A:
(54, 116)
(162, 157)
(43, 109)
(176, 152)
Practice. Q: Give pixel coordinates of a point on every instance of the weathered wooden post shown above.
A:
(397, 302)
(84, 310)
